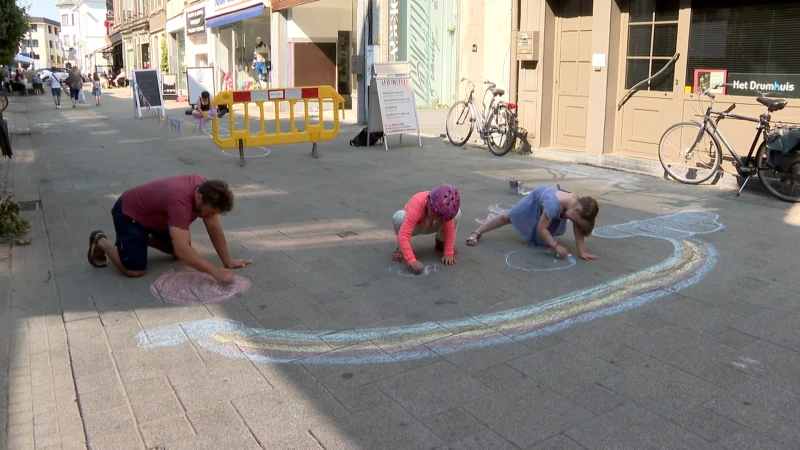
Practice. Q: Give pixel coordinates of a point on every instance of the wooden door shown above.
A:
(573, 66)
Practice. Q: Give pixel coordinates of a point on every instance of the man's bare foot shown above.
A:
(95, 255)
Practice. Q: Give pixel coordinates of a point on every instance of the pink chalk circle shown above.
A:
(190, 287)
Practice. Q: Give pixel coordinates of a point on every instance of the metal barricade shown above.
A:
(244, 137)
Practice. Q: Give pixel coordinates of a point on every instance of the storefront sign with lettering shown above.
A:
(394, 29)
(196, 22)
(771, 84)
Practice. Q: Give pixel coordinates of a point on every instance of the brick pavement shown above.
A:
(97, 358)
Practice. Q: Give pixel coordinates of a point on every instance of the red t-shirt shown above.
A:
(164, 203)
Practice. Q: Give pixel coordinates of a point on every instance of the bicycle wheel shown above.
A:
(677, 142)
(503, 125)
(788, 183)
(459, 123)
(3, 102)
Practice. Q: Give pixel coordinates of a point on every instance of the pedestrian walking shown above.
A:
(96, 91)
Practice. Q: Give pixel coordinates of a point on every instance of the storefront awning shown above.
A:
(244, 14)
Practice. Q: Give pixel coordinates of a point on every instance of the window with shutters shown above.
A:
(652, 39)
(744, 37)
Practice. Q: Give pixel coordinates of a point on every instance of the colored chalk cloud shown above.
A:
(689, 262)
(190, 287)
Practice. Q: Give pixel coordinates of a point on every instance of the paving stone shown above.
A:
(707, 424)
(500, 376)
(763, 408)
(558, 441)
(166, 431)
(747, 439)
(362, 398)
(733, 338)
(683, 348)
(454, 424)
(661, 388)
(696, 317)
(527, 413)
(432, 389)
(630, 426)
(596, 398)
(721, 375)
(564, 368)
(110, 422)
(291, 415)
(481, 440)
(363, 429)
(157, 408)
(771, 363)
(148, 389)
(101, 400)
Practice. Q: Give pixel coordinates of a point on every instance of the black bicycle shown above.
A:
(776, 159)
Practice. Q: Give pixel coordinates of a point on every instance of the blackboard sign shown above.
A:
(147, 92)
(196, 22)
(169, 86)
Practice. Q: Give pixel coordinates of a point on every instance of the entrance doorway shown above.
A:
(573, 67)
(314, 64)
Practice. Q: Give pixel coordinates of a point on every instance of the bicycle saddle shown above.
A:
(773, 104)
(498, 92)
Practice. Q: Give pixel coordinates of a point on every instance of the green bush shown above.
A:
(11, 224)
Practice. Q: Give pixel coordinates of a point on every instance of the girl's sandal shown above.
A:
(397, 256)
(473, 238)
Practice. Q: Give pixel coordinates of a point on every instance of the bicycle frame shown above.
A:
(762, 129)
(480, 115)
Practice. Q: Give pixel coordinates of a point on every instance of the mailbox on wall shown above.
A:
(527, 45)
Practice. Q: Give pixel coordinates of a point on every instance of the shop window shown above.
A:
(652, 39)
(748, 39)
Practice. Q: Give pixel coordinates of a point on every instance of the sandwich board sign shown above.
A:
(398, 107)
(148, 91)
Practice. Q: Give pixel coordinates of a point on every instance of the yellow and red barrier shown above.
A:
(245, 137)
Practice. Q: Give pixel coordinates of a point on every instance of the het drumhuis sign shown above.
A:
(775, 85)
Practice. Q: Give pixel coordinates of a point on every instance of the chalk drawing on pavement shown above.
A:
(264, 152)
(190, 287)
(537, 259)
(494, 211)
(688, 263)
(403, 270)
(682, 224)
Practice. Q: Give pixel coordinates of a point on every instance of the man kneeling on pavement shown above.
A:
(158, 215)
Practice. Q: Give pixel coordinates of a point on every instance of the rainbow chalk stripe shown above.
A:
(688, 264)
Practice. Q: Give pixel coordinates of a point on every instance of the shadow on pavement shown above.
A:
(332, 345)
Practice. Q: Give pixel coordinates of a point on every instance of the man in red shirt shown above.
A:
(158, 214)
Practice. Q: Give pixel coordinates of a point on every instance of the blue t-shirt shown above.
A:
(525, 214)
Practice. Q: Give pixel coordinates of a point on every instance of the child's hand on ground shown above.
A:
(417, 267)
(588, 256)
(561, 251)
(449, 260)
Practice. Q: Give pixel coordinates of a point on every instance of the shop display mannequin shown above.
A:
(261, 59)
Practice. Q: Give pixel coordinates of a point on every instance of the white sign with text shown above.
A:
(398, 109)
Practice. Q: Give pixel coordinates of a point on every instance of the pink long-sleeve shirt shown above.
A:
(417, 214)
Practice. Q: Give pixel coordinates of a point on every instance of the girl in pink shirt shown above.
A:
(428, 212)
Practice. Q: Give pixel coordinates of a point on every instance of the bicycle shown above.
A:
(496, 118)
(762, 160)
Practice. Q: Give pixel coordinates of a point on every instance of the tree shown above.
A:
(14, 24)
(164, 60)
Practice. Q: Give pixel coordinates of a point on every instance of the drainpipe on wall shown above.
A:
(514, 64)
